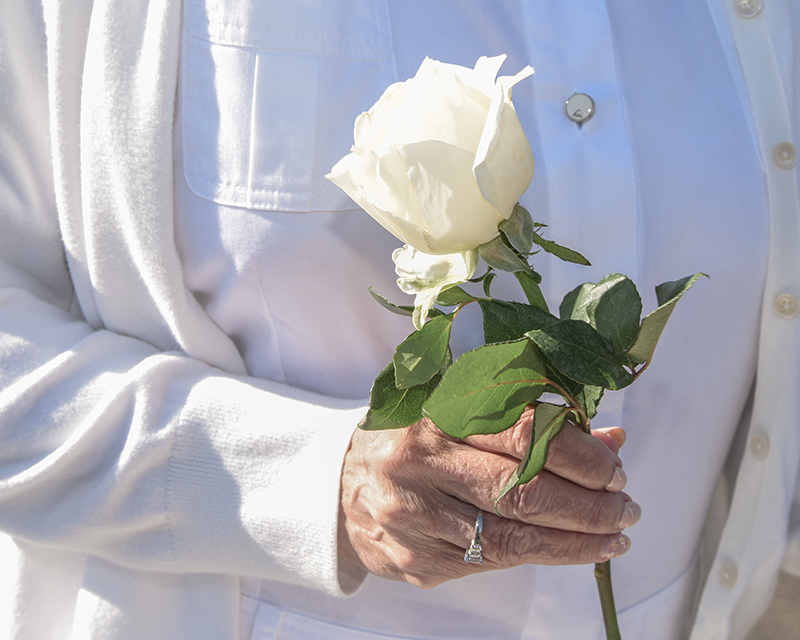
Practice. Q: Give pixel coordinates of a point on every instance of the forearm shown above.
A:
(156, 460)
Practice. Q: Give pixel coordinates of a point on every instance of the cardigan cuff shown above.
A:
(253, 482)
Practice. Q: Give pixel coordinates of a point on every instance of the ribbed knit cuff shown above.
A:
(253, 483)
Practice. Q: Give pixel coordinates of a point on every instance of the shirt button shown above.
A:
(759, 446)
(727, 575)
(580, 108)
(787, 306)
(785, 155)
(748, 8)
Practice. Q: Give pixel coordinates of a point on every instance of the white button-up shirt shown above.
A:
(686, 165)
(142, 472)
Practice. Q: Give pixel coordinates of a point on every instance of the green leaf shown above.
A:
(667, 294)
(518, 229)
(420, 356)
(500, 256)
(504, 321)
(481, 278)
(563, 385)
(393, 408)
(487, 389)
(573, 306)
(548, 420)
(452, 296)
(612, 306)
(670, 292)
(487, 283)
(582, 354)
(568, 255)
(589, 397)
(531, 289)
(401, 310)
(405, 310)
(615, 309)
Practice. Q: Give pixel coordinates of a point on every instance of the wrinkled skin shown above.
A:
(410, 497)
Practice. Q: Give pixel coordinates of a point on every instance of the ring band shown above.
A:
(474, 553)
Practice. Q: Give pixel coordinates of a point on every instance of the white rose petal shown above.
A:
(504, 162)
(441, 180)
(425, 275)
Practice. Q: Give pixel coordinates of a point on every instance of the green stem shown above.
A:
(574, 404)
(602, 571)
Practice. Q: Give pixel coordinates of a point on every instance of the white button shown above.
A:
(787, 306)
(759, 446)
(785, 155)
(727, 575)
(580, 108)
(748, 8)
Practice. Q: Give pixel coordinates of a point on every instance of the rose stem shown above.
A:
(602, 571)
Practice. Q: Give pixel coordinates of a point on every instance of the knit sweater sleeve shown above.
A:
(114, 446)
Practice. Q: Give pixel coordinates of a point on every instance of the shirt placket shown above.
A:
(591, 208)
(586, 157)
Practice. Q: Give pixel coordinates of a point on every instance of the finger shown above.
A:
(477, 477)
(567, 495)
(508, 543)
(585, 460)
(505, 544)
(613, 437)
(591, 462)
(512, 442)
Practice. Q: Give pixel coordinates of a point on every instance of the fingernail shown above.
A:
(615, 545)
(630, 515)
(618, 433)
(618, 482)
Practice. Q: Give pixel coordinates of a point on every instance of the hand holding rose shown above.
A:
(409, 499)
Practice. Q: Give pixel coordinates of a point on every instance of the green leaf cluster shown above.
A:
(598, 342)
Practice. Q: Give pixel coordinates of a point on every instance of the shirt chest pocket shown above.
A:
(269, 94)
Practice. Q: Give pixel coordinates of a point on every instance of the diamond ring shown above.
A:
(474, 553)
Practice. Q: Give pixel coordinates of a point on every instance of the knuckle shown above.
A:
(399, 459)
(519, 436)
(603, 513)
(391, 514)
(415, 447)
(530, 502)
(513, 543)
(547, 547)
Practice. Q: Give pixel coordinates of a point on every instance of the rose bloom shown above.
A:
(439, 161)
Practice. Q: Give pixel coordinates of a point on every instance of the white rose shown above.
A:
(439, 161)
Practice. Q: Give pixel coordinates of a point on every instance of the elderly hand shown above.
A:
(410, 498)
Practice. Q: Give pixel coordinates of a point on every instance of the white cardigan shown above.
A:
(129, 429)
(135, 459)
